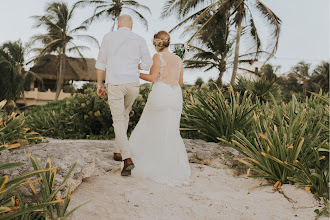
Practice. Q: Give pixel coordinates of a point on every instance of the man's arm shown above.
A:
(154, 71)
(101, 64)
(146, 61)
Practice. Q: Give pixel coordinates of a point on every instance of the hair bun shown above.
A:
(161, 40)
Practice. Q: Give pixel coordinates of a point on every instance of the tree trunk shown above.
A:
(238, 37)
(61, 75)
(219, 80)
(222, 69)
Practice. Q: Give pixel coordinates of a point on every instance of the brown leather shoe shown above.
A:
(117, 157)
(128, 166)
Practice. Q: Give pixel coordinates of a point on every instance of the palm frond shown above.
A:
(188, 19)
(254, 34)
(136, 5)
(82, 27)
(88, 38)
(139, 16)
(274, 24)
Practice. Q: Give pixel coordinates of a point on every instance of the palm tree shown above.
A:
(241, 17)
(13, 70)
(216, 49)
(303, 73)
(60, 37)
(320, 77)
(111, 9)
(268, 72)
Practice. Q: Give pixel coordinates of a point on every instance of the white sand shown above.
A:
(213, 194)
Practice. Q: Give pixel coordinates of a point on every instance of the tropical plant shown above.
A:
(13, 134)
(13, 70)
(268, 72)
(214, 116)
(47, 204)
(261, 88)
(111, 9)
(81, 116)
(216, 50)
(303, 72)
(60, 38)
(320, 77)
(179, 50)
(10, 205)
(199, 82)
(241, 17)
(13, 131)
(286, 145)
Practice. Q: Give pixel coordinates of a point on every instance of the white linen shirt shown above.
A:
(120, 54)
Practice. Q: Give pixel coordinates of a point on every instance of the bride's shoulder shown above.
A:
(156, 57)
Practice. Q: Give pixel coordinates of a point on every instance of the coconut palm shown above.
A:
(241, 17)
(303, 72)
(13, 71)
(60, 36)
(320, 77)
(216, 50)
(111, 9)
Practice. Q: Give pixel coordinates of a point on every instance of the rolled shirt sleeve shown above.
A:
(101, 62)
(146, 61)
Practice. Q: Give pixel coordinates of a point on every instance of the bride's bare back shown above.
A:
(170, 68)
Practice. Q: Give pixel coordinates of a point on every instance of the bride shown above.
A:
(157, 148)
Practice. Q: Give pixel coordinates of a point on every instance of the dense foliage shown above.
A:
(14, 133)
(284, 143)
(84, 115)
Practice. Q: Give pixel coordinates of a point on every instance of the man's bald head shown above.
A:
(125, 21)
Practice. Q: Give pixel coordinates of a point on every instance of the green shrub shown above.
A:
(83, 116)
(216, 117)
(46, 205)
(13, 133)
(288, 143)
(261, 88)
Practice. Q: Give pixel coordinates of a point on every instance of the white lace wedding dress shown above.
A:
(157, 148)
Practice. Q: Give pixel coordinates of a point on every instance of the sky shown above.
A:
(304, 33)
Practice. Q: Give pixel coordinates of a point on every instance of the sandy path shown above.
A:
(213, 194)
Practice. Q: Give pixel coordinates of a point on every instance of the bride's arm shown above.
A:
(154, 70)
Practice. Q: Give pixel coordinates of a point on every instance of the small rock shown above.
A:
(201, 155)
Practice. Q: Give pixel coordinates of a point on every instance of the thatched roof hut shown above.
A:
(47, 67)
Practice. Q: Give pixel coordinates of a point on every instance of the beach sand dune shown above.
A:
(213, 194)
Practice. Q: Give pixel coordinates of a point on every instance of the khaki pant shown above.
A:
(121, 98)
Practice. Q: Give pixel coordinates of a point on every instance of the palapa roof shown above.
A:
(47, 67)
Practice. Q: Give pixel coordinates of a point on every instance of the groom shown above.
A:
(121, 55)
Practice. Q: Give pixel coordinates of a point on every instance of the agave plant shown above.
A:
(47, 206)
(285, 147)
(215, 117)
(9, 205)
(13, 132)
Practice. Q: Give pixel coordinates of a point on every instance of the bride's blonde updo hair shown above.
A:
(161, 40)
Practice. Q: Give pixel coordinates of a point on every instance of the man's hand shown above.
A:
(101, 92)
(139, 66)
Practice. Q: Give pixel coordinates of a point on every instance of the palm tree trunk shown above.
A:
(238, 37)
(219, 80)
(222, 68)
(61, 75)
